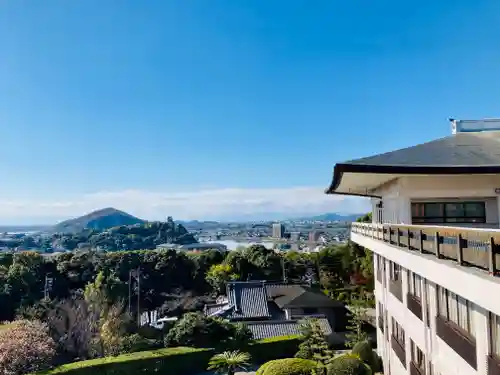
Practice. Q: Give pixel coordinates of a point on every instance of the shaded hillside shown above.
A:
(98, 220)
(143, 236)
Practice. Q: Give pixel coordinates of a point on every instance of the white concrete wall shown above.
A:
(474, 285)
(400, 193)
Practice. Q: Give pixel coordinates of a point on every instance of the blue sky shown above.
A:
(222, 108)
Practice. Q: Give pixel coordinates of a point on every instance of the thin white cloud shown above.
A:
(203, 204)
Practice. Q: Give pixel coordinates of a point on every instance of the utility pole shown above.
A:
(138, 297)
(283, 269)
(49, 282)
(135, 274)
(130, 293)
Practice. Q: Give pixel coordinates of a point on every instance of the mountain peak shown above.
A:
(100, 219)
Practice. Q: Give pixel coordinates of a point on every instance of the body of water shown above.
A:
(233, 245)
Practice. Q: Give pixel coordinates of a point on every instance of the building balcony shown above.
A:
(473, 247)
(399, 349)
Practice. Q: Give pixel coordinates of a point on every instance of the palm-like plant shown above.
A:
(228, 362)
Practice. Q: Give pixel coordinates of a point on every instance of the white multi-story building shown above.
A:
(436, 242)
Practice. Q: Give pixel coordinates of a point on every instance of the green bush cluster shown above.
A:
(348, 364)
(287, 366)
(179, 361)
(365, 352)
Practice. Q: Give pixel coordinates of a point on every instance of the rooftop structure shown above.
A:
(436, 239)
(275, 309)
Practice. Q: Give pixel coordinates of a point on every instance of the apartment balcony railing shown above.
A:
(459, 341)
(493, 365)
(416, 370)
(399, 349)
(381, 323)
(414, 305)
(467, 246)
(396, 288)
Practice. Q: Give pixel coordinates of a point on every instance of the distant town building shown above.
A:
(294, 236)
(314, 235)
(278, 230)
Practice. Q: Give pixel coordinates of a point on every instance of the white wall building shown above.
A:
(436, 239)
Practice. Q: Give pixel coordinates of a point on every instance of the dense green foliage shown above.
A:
(177, 361)
(200, 331)
(365, 352)
(288, 366)
(348, 364)
(174, 282)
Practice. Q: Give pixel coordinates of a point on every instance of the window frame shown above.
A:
(453, 307)
(494, 332)
(418, 216)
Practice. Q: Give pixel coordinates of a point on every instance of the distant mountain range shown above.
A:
(100, 220)
(333, 217)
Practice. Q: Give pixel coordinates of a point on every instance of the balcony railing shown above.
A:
(467, 246)
(416, 370)
(396, 288)
(493, 365)
(399, 349)
(459, 341)
(414, 305)
(381, 323)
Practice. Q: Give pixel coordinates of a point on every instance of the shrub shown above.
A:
(25, 347)
(288, 366)
(274, 348)
(197, 330)
(178, 361)
(348, 364)
(365, 352)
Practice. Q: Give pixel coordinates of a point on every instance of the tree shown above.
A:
(26, 347)
(219, 274)
(197, 330)
(314, 346)
(228, 362)
(356, 322)
(76, 328)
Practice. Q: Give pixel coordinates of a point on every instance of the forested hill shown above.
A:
(98, 220)
(127, 237)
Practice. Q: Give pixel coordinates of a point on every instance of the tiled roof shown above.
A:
(273, 328)
(458, 150)
(249, 300)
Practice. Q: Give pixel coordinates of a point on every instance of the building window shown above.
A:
(310, 310)
(495, 334)
(417, 357)
(380, 268)
(448, 212)
(395, 271)
(415, 285)
(456, 309)
(398, 332)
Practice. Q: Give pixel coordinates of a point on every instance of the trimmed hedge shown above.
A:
(179, 361)
(348, 364)
(287, 366)
(280, 347)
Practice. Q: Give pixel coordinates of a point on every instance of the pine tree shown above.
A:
(355, 325)
(314, 346)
